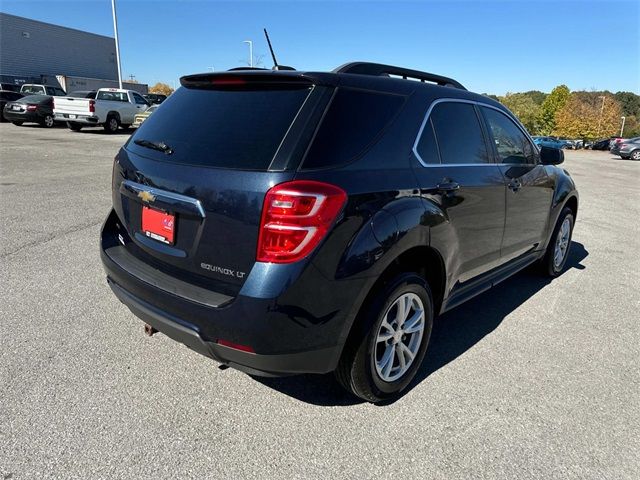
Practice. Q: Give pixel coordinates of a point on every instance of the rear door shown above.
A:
(457, 173)
(229, 143)
(529, 188)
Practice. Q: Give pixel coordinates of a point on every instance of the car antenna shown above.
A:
(273, 55)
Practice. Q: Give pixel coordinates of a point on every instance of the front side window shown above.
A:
(139, 100)
(458, 134)
(511, 143)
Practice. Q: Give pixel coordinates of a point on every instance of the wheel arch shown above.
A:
(423, 260)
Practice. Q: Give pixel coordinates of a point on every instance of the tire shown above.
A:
(552, 264)
(635, 155)
(17, 123)
(362, 369)
(76, 127)
(47, 121)
(112, 124)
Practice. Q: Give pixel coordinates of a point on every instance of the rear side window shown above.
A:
(353, 123)
(227, 128)
(459, 134)
(511, 144)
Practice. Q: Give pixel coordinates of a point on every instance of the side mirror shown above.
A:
(551, 156)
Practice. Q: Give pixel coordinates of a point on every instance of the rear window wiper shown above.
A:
(160, 146)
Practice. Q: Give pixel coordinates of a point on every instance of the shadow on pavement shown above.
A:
(454, 333)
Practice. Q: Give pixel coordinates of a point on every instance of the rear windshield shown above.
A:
(112, 96)
(32, 89)
(239, 129)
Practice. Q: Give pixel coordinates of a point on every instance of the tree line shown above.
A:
(578, 115)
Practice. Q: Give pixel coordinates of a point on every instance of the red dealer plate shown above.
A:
(158, 225)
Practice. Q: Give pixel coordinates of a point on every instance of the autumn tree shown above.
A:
(588, 116)
(523, 106)
(161, 88)
(554, 102)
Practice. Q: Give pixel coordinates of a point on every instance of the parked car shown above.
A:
(313, 222)
(7, 96)
(629, 148)
(613, 141)
(30, 109)
(155, 98)
(551, 142)
(112, 108)
(141, 117)
(83, 94)
(10, 87)
(600, 145)
(36, 89)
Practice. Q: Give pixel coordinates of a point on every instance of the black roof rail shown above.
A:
(379, 69)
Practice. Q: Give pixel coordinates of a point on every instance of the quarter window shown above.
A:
(511, 144)
(427, 148)
(458, 133)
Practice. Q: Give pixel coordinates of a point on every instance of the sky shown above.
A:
(489, 46)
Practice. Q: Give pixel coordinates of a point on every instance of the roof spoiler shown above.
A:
(379, 69)
(243, 78)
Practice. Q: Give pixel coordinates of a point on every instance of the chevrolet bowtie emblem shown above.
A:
(146, 196)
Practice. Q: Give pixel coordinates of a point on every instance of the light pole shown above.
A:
(115, 30)
(601, 112)
(622, 127)
(250, 52)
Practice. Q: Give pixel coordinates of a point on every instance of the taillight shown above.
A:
(622, 145)
(295, 218)
(32, 108)
(92, 106)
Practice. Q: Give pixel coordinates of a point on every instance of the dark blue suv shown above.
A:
(285, 222)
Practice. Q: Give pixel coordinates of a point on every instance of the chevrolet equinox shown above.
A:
(285, 222)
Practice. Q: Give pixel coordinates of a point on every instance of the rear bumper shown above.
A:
(286, 339)
(12, 116)
(84, 119)
(315, 361)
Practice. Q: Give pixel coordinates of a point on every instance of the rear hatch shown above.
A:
(200, 166)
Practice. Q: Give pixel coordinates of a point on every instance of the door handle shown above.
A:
(514, 185)
(447, 186)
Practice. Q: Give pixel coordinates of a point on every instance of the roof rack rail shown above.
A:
(378, 69)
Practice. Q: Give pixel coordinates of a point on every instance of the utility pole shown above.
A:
(115, 30)
(250, 52)
(622, 128)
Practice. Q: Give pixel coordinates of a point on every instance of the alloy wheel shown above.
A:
(399, 337)
(562, 243)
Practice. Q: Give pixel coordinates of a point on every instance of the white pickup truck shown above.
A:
(112, 108)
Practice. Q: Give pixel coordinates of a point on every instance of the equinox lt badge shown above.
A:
(223, 271)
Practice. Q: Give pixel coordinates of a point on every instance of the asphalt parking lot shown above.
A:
(533, 379)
